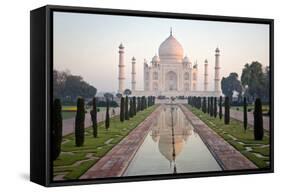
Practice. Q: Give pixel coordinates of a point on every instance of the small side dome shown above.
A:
(186, 59)
(155, 59)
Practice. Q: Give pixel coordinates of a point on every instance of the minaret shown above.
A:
(194, 76)
(145, 75)
(133, 74)
(121, 66)
(217, 71)
(206, 76)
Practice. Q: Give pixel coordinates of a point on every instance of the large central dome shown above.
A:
(171, 49)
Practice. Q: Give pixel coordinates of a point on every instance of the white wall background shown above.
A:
(14, 97)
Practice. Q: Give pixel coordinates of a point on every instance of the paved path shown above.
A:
(226, 155)
(69, 124)
(239, 116)
(115, 162)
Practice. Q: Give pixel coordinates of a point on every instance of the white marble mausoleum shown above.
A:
(171, 73)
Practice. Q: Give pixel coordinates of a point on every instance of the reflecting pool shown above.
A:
(172, 146)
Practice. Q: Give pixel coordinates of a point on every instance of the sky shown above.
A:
(87, 45)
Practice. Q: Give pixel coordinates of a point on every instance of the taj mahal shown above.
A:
(171, 73)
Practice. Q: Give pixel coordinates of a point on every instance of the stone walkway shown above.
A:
(115, 162)
(69, 124)
(240, 116)
(226, 155)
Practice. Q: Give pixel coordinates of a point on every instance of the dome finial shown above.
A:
(171, 31)
(217, 49)
(121, 46)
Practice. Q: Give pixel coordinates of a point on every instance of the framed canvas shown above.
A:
(125, 95)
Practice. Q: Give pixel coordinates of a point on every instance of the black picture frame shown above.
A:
(41, 56)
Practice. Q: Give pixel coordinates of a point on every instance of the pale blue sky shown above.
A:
(87, 45)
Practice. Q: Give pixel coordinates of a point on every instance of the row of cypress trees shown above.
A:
(79, 124)
(209, 105)
(129, 106)
(80, 120)
(136, 104)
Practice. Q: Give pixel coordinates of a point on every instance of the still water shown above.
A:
(172, 146)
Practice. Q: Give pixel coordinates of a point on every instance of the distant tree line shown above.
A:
(69, 87)
(254, 83)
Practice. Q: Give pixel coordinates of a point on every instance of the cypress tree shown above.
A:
(131, 108)
(107, 117)
(126, 108)
(138, 104)
(134, 106)
(226, 111)
(220, 107)
(211, 107)
(80, 123)
(145, 102)
(94, 118)
(194, 101)
(56, 129)
(258, 120)
(142, 103)
(215, 108)
(204, 107)
(208, 106)
(122, 110)
(245, 114)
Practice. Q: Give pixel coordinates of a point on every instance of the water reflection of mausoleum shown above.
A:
(171, 127)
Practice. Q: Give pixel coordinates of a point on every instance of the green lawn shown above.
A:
(256, 151)
(69, 108)
(265, 108)
(68, 115)
(74, 161)
(69, 112)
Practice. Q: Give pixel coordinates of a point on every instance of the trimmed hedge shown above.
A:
(56, 129)
(80, 123)
(258, 120)
(245, 114)
(126, 108)
(226, 111)
(107, 117)
(94, 117)
(122, 109)
(220, 107)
